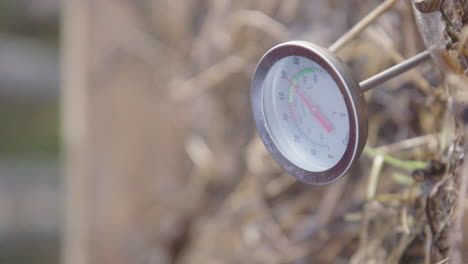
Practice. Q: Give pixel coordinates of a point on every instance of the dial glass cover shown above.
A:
(306, 113)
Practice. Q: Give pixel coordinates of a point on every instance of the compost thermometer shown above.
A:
(309, 110)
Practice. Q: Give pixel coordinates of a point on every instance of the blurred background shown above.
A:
(126, 136)
(29, 132)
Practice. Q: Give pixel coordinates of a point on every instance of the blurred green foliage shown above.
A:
(29, 128)
(16, 18)
(24, 251)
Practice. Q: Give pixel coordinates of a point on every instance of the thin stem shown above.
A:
(408, 165)
(361, 25)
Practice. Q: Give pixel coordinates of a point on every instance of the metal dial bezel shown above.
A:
(353, 98)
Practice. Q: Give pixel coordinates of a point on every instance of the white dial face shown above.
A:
(305, 113)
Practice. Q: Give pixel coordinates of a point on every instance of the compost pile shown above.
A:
(400, 204)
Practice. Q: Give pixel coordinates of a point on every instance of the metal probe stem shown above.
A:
(393, 71)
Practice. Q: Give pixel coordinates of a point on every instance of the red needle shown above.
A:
(315, 111)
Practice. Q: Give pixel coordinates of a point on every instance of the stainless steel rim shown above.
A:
(354, 100)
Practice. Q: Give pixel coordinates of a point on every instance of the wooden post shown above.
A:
(123, 142)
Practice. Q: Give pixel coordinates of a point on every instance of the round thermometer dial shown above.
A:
(309, 111)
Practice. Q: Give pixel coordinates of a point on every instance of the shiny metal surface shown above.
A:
(350, 90)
